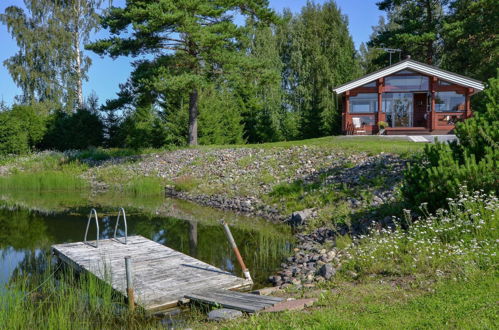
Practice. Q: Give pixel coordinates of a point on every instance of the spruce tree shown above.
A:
(319, 54)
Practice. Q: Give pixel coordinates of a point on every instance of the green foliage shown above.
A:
(219, 119)
(469, 34)
(191, 41)
(43, 181)
(13, 138)
(318, 53)
(80, 130)
(49, 66)
(33, 119)
(415, 28)
(440, 171)
(456, 242)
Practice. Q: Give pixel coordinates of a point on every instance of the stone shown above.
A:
(224, 314)
(299, 218)
(291, 305)
(327, 271)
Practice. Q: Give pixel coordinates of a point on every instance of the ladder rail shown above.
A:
(121, 211)
(93, 212)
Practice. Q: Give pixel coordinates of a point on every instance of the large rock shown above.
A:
(224, 314)
(299, 218)
(327, 271)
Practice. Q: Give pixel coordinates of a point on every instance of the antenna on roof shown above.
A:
(392, 51)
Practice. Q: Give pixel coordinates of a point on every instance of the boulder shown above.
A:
(299, 218)
(327, 271)
(224, 314)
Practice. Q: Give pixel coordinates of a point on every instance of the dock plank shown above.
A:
(161, 275)
(246, 302)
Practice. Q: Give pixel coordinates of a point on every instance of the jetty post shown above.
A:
(236, 250)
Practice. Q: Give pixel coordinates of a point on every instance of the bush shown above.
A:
(80, 130)
(441, 169)
(13, 138)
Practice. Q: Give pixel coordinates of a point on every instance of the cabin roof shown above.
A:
(415, 66)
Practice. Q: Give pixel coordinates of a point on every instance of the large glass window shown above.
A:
(449, 102)
(371, 84)
(398, 108)
(364, 103)
(406, 83)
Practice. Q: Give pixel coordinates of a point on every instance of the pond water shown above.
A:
(30, 222)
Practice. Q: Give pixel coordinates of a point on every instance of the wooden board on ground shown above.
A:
(161, 276)
(246, 302)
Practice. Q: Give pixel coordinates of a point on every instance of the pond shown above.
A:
(30, 222)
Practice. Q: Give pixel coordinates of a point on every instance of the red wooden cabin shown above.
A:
(410, 97)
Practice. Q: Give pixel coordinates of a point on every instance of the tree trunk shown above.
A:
(429, 44)
(76, 40)
(193, 117)
(193, 238)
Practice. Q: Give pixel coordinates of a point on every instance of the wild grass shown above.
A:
(451, 242)
(186, 183)
(57, 299)
(145, 186)
(43, 181)
(438, 272)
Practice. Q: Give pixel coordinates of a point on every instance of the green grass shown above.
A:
(56, 299)
(145, 186)
(43, 181)
(440, 272)
(374, 305)
(370, 144)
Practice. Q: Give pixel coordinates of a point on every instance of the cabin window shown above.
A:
(444, 83)
(371, 84)
(449, 102)
(406, 83)
(364, 103)
(405, 72)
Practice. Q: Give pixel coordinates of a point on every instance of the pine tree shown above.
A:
(418, 23)
(471, 45)
(193, 39)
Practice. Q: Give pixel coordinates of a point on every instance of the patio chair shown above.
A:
(358, 126)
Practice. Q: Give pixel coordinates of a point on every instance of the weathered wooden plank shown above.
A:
(162, 275)
(223, 303)
(242, 301)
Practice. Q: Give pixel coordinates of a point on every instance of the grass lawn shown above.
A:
(370, 144)
(372, 305)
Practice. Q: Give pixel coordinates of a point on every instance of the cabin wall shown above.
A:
(436, 122)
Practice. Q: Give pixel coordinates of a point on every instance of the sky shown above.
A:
(106, 74)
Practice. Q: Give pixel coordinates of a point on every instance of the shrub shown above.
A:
(13, 138)
(80, 130)
(441, 169)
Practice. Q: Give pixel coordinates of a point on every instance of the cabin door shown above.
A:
(420, 107)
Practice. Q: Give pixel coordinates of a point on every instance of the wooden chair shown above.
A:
(358, 126)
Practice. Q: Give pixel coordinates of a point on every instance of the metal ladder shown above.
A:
(93, 215)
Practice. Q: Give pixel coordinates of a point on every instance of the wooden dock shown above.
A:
(161, 276)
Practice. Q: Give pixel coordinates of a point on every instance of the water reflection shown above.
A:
(30, 225)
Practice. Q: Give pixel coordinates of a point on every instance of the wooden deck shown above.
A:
(161, 276)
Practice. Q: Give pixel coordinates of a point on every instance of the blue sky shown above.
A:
(106, 74)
